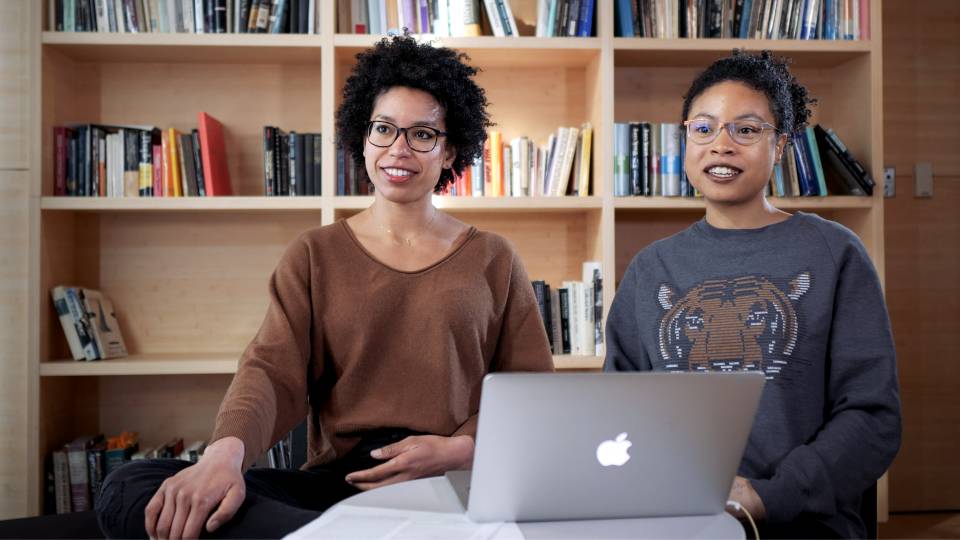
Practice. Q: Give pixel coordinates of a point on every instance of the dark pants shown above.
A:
(278, 501)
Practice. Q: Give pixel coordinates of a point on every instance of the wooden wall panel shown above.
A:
(14, 238)
(14, 84)
(921, 85)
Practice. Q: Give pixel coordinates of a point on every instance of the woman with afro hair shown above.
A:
(753, 288)
(379, 330)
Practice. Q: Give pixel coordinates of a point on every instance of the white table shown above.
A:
(430, 498)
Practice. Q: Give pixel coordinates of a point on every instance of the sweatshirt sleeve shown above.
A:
(625, 350)
(861, 434)
(522, 344)
(268, 394)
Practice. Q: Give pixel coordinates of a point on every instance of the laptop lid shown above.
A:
(554, 446)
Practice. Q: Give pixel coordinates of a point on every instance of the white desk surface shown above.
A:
(437, 496)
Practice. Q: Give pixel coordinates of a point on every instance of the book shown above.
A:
(103, 324)
(61, 306)
(79, 475)
(78, 313)
(61, 473)
(216, 175)
(120, 449)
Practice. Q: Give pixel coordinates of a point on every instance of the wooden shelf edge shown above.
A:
(124, 39)
(569, 361)
(147, 364)
(681, 45)
(161, 204)
(495, 204)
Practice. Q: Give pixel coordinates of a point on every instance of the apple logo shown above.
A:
(614, 452)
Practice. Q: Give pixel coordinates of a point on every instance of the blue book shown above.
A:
(585, 21)
(624, 19)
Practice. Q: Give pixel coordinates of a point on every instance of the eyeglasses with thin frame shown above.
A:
(419, 138)
(743, 132)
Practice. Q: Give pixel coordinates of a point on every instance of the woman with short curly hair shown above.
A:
(753, 288)
(379, 331)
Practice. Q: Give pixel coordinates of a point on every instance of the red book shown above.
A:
(216, 176)
(158, 188)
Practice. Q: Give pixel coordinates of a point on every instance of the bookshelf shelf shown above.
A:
(181, 204)
(209, 364)
(144, 364)
(567, 361)
(186, 48)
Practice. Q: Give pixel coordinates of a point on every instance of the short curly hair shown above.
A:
(765, 73)
(439, 71)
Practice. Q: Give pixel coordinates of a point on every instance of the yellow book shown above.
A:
(583, 182)
(172, 173)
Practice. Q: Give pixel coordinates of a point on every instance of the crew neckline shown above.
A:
(706, 229)
(458, 245)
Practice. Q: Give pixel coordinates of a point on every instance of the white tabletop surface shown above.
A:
(433, 499)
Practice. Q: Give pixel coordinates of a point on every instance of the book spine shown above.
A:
(61, 472)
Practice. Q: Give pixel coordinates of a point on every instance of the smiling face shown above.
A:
(399, 173)
(724, 171)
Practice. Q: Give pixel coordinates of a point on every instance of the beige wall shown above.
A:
(921, 52)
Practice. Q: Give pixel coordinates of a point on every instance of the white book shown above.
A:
(312, 26)
(511, 20)
(373, 10)
(586, 319)
(574, 313)
(542, 11)
(494, 16)
(103, 20)
(62, 308)
(593, 276)
(516, 173)
(103, 324)
(565, 164)
(670, 159)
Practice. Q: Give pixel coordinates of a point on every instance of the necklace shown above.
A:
(408, 241)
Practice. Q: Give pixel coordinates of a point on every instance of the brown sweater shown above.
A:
(370, 346)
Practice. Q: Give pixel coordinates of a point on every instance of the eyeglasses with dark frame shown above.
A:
(383, 134)
(743, 132)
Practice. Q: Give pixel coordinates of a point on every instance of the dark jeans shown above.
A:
(278, 501)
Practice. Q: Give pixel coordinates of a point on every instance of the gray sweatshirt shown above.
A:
(800, 301)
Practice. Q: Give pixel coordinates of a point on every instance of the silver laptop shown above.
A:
(556, 446)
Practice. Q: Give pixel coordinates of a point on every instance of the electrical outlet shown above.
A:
(923, 180)
(889, 182)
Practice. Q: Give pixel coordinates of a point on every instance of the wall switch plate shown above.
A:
(889, 182)
(923, 180)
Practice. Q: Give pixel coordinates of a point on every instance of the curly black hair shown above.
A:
(765, 73)
(439, 71)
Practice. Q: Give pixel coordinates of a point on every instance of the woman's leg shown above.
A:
(277, 501)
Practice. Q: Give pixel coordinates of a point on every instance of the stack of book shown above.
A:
(572, 313)
(186, 16)
(744, 19)
(98, 160)
(648, 160)
(89, 323)
(456, 18)
(291, 163)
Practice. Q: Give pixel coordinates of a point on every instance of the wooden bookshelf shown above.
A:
(189, 276)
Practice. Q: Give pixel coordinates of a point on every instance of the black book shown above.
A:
(292, 157)
(268, 161)
(285, 180)
(307, 163)
(220, 16)
(564, 294)
(244, 15)
(645, 133)
(302, 180)
(198, 164)
(840, 180)
(188, 165)
(293, 23)
(858, 170)
(636, 176)
(317, 156)
(304, 16)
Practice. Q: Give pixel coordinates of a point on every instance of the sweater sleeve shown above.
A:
(268, 394)
(522, 344)
(625, 350)
(861, 434)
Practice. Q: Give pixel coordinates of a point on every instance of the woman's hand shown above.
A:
(415, 457)
(183, 503)
(743, 493)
